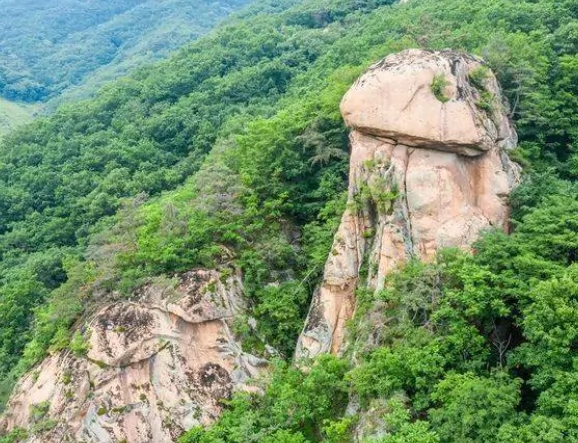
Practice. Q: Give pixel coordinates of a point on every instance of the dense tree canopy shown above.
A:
(50, 45)
(233, 153)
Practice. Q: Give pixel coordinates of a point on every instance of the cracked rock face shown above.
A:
(394, 99)
(154, 368)
(427, 171)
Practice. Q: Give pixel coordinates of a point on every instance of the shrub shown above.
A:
(486, 101)
(478, 77)
(78, 345)
(438, 87)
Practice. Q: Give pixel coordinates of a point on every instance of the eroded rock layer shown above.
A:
(428, 170)
(153, 369)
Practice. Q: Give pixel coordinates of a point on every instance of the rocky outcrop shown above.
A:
(428, 170)
(154, 368)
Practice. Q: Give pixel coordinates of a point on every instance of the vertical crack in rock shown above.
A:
(410, 240)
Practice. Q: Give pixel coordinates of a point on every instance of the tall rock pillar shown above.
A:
(429, 169)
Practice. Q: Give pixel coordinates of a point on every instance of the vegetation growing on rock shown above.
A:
(438, 86)
(232, 152)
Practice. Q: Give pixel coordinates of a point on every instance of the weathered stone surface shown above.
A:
(424, 175)
(394, 100)
(154, 368)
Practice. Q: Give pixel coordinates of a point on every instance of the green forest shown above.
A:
(50, 46)
(233, 154)
(58, 51)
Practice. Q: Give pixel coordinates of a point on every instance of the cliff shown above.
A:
(428, 170)
(154, 367)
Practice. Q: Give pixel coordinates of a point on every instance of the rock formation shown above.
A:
(428, 170)
(154, 368)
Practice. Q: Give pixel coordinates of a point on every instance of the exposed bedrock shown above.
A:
(429, 169)
(154, 368)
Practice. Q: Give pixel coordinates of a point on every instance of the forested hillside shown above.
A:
(60, 51)
(14, 114)
(233, 152)
(49, 46)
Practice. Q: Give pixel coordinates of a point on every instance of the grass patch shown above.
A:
(438, 87)
(486, 102)
(478, 77)
(14, 114)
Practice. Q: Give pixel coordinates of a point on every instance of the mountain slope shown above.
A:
(233, 153)
(48, 48)
(14, 114)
